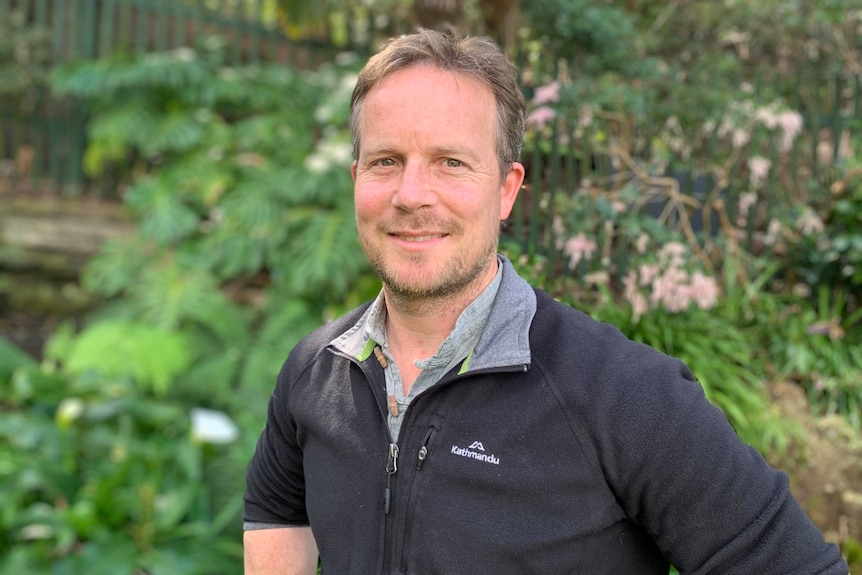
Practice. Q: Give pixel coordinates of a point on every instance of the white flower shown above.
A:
(809, 222)
(791, 124)
(327, 154)
(210, 426)
(69, 411)
(759, 170)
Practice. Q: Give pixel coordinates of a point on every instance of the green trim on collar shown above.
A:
(466, 365)
(367, 350)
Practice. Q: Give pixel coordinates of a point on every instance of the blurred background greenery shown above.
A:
(176, 212)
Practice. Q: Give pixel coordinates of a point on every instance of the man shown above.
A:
(465, 422)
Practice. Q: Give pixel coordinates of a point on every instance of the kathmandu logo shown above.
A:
(479, 454)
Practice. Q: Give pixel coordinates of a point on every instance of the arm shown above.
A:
(280, 551)
(711, 502)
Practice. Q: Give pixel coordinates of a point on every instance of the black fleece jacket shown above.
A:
(600, 455)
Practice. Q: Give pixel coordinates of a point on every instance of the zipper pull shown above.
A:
(392, 462)
(423, 451)
(391, 468)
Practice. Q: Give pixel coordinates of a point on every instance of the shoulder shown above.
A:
(312, 346)
(560, 328)
(596, 365)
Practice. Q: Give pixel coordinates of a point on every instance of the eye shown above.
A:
(385, 162)
(453, 163)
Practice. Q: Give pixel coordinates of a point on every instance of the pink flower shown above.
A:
(579, 247)
(648, 273)
(704, 290)
(547, 94)
(540, 116)
(672, 253)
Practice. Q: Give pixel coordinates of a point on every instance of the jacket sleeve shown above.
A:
(711, 502)
(275, 492)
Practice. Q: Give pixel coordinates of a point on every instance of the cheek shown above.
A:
(367, 204)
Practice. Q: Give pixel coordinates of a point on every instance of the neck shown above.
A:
(417, 326)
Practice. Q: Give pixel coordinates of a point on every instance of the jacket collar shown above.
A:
(504, 342)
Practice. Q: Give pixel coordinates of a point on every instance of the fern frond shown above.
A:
(116, 267)
(150, 356)
(165, 218)
(175, 131)
(325, 256)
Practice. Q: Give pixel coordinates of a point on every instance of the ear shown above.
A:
(510, 188)
(353, 171)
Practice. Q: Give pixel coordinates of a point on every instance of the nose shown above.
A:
(415, 188)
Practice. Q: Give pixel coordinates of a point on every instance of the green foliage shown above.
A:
(818, 347)
(238, 178)
(831, 254)
(594, 36)
(11, 357)
(24, 57)
(101, 468)
(150, 356)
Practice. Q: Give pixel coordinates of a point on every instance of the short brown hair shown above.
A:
(476, 56)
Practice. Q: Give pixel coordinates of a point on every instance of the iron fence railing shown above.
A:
(46, 143)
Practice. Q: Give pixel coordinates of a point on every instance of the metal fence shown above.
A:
(46, 144)
(42, 143)
(829, 101)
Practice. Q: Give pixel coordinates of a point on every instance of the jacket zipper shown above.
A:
(406, 530)
(391, 469)
(392, 458)
(402, 519)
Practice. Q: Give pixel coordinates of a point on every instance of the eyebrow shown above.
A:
(439, 151)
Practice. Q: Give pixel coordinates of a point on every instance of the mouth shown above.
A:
(417, 239)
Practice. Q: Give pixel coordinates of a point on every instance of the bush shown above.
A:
(104, 474)
(124, 452)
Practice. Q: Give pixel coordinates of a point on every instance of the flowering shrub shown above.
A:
(653, 267)
(667, 284)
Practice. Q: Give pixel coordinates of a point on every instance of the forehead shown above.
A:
(424, 99)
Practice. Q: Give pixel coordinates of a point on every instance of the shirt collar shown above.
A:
(503, 312)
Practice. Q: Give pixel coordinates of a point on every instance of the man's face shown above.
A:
(428, 190)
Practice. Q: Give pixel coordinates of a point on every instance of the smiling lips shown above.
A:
(419, 238)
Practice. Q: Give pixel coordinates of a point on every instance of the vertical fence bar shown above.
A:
(256, 25)
(161, 21)
(814, 114)
(141, 26)
(86, 31)
(55, 110)
(178, 30)
(41, 143)
(837, 124)
(237, 24)
(125, 31)
(82, 35)
(535, 196)
(106, 28)
(40, 13)
(553, 183)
